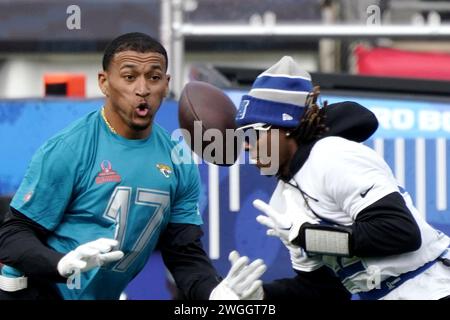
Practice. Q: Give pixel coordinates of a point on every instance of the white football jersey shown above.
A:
(341, 178)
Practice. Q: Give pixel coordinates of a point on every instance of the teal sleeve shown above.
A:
(185, 205)
(47, 187)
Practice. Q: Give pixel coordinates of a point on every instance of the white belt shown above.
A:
(13, 284)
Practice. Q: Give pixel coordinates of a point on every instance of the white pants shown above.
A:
(432, 284)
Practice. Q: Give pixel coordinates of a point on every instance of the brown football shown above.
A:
(207, 116)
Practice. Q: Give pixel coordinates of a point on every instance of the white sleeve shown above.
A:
(353, 175)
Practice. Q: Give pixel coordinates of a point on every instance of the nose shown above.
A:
(142, 89)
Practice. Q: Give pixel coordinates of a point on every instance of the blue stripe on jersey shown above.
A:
(283, 83)
(350, 270)
(392, 283)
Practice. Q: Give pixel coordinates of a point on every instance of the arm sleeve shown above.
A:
(183, 255)
(318, 284)
(21, 247)
(384, 228)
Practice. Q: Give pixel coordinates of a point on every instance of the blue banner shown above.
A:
(405, 118)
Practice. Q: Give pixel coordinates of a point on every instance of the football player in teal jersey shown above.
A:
(98, 197)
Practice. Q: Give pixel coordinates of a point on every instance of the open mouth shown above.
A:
(143, 109)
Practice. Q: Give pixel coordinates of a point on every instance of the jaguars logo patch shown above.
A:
(164, 169)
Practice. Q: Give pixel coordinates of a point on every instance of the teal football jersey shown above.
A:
(88, 183)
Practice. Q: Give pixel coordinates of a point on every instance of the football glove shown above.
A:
(242, 281)
(88, 256)
(286, 227)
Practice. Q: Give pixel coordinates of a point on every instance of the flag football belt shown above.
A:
(392, 283)
(11, 280)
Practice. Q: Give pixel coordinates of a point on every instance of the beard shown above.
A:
(140, 127)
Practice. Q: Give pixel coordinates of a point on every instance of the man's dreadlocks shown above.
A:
(312, 123)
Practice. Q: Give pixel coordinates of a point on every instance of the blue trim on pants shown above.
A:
(392, 283)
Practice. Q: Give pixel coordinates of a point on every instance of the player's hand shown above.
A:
(286, 225)
(282, 225)
(242, 281)
(88, 256)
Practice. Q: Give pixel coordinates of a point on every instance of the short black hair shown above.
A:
(134, 41)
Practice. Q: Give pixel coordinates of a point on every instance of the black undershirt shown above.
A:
(384, 228)
(22, 247)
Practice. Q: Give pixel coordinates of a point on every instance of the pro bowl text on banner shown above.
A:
(407, 117)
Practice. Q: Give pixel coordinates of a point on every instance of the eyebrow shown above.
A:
(133, 66)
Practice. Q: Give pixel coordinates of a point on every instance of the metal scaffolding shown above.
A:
(174, 32)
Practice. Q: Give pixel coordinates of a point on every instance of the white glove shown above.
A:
(242, 281)
(88, 256)
(256, 291)
(286, 227)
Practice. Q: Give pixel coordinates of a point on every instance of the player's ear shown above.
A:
(103, 82)
(167, 91)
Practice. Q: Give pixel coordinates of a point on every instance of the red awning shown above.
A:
(402, 63)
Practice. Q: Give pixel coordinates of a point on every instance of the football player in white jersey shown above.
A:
(337, 206)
